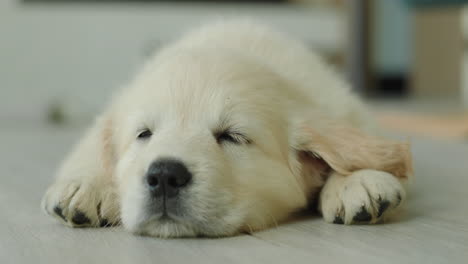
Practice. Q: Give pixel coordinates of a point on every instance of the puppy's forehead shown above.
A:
(200, 87)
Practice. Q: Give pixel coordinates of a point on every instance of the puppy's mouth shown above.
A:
(163, 218)
(177, 217)
(164, 221)
(166, 210)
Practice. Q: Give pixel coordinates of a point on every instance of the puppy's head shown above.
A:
(204, 145)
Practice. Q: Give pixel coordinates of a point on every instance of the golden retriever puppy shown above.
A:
(231, 129)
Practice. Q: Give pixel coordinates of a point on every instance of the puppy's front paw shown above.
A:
(365, 196)
(82, 203)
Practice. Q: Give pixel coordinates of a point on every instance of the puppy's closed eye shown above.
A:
(234, 137)
(144, 134)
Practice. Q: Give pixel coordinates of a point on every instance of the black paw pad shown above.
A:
(104, 223)
(338, 220)
(362, 216)
(80, 218)
(383, 205)
(58, 211)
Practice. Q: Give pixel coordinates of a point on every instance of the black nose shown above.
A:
(167, 177)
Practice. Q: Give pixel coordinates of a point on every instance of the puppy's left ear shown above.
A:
(347, 149)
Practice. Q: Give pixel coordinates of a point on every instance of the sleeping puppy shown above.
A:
(231, 129)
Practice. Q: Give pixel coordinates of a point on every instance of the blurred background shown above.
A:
(60, 60)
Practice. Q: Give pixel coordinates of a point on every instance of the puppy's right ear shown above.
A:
(346, 149)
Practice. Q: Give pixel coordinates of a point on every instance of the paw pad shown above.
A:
(383, 205)
(362, 216)
(104, 223)
(58, 211)
(79, 218)
(338, 220)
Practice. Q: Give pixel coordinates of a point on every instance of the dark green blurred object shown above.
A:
(435, 3)
(56, 114)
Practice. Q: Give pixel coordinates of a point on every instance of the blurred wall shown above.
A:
(465, 59)
(392, 36)
(77, 54)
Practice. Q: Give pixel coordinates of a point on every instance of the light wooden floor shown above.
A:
(433, 230)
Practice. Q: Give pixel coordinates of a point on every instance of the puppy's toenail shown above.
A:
(338, 220)
(362, 216)
(80, 218)
(58, 211)
(383, 205)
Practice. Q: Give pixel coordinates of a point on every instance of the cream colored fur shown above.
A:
(307, 131)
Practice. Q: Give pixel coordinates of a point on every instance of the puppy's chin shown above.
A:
(166, 227)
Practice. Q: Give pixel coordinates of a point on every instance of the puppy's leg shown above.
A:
(84, 194)
(365, 196)
(367, 172)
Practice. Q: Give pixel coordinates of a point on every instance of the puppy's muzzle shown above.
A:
(166, 177)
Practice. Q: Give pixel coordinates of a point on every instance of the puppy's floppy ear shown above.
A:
(347, 149)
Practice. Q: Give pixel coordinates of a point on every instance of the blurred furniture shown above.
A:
(408, 48)
(438, 49)
(390, 48)
(359, 53)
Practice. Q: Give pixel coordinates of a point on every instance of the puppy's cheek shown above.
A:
(212, 207)
(132, 192)
(133, 214)
(273, 194)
